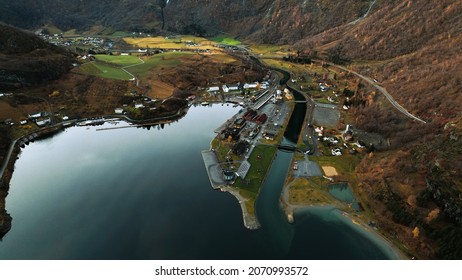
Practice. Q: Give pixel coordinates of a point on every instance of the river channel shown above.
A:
(144, 194)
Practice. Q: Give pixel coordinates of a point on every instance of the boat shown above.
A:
(205, 103)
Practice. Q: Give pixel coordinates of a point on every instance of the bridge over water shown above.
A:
(287, 148)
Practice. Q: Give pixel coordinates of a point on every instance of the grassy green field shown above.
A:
(165, 60)
(311, 192)
(102, 70)
(260, 160)
(270, 50)
(222, 149)
(121, 60)
(109, 66)
(226, 40)
(345, 165)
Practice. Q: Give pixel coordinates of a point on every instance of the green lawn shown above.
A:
(260, 160)
(109, 66)
(167, 60)
(344, 164)
(226, 40)
(103, 70)
(121, 60)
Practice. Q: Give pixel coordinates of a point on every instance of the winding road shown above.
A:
(126, 71)
(363, 16)
(7, 158)
(379, 88)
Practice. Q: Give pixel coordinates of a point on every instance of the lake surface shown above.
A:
(144, 194)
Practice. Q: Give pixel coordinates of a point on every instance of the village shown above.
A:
(245, 146)
(325, 155)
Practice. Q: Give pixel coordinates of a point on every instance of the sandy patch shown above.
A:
(330, 171)
(161, 90)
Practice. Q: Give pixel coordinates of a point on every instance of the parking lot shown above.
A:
(307, 168)
(326, 115)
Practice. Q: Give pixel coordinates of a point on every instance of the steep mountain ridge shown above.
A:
(82, 14)
(268, 21)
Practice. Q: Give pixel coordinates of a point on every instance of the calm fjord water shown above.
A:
(144, 194)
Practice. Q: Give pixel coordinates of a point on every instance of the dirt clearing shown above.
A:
(330, 171)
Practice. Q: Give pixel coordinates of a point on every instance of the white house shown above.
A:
(225, 88)
(35, 116)
(213, 89)
(252, 85)
(323, 87)
(139, 105)
(43, 122)
(336, 152)
(233, 87)
(119, 111)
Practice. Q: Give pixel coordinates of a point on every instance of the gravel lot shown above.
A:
(326, 115)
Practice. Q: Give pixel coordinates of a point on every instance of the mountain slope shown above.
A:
(414, 49)
(263, 20)
(27, 60)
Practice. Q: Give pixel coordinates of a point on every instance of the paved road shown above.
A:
(371, 81)
(365, 15)
(7, 158)
(136, 64)
(381, 89)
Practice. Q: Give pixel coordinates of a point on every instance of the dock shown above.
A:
(214, 169)
(217, 182)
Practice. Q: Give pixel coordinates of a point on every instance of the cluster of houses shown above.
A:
(232, 131)
(237, 87)
(88, 41)
(146, 102)
(40, 118)
(334, 142)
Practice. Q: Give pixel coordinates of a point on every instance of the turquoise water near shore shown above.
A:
(144, 194)
(342, 192)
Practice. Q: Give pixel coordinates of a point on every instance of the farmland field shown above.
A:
(160, 42)
(122, 60)
(165, 60)
(102, 70)
(226, 40)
